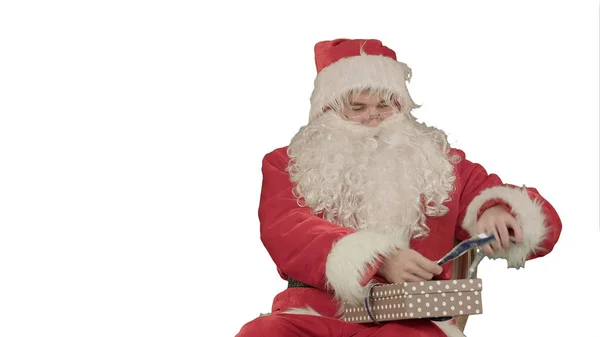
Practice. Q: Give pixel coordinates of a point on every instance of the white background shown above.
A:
(132, 134)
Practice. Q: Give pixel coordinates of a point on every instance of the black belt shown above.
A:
(297, 284)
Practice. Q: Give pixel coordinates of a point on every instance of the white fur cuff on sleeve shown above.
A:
(350, 259)
(528, 213)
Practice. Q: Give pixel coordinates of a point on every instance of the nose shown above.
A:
(374, 112)
(377, 114)
(372, 121)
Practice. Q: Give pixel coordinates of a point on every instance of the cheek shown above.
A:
(346, 114)
(346, 110)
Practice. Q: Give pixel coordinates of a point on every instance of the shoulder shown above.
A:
(454, 152)
(277, 157)
(457, 157)
(466, 168)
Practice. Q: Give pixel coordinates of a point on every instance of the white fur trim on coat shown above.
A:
(351, 257)
(308, 310)
(360, 72)
(449, 329)
(528, 213)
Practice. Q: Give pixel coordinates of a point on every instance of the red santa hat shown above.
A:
(346, 65)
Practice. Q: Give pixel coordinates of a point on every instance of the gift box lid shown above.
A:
(428, 287)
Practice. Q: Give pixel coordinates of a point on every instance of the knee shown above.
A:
(271, 325)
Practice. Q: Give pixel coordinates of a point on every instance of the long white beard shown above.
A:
(385, 178)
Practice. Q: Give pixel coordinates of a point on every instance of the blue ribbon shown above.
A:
(457, 251)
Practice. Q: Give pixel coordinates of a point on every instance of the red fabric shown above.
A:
(471, 179)
(553, 223)
(297, 241)
(299, 244)
(286, 325)
(474, 178)
(328, 52)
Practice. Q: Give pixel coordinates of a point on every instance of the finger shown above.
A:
(396, 278)
(486, 228)
(480, 227)
(418, 271)
(428, 265)
(496, 243)
(408, 277)
(517, 230)
(503, 233)
(487, 249)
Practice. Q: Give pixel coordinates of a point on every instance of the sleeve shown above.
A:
(479, 191)
(310, 249)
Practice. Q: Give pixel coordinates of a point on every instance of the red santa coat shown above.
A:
(338, 262)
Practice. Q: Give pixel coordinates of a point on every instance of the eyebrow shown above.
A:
(363, 104)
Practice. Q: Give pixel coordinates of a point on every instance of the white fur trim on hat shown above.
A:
(528, 213)
(360, 72)
(350, 259)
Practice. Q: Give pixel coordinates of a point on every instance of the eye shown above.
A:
(358, 108)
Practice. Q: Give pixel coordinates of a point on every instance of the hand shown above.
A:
(496, 220)
(408, 266)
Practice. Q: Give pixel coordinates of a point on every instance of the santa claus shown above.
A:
(364, 193)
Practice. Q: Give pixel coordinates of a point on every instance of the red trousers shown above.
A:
(292, 325)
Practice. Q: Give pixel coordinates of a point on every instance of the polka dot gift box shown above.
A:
(412, 300)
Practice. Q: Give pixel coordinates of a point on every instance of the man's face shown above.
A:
(367, 109)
